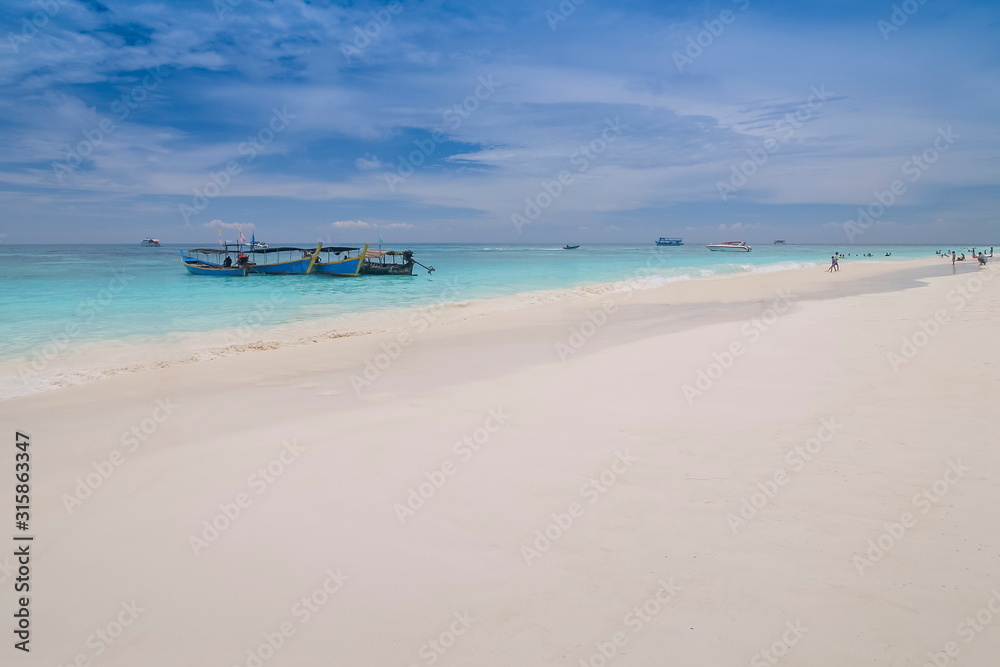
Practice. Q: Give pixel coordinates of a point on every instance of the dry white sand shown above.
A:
(508, 492)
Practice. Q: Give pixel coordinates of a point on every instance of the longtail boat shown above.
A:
(211, 262)
(284, 260)
(338, 261)
(388, 263)
(235, 259)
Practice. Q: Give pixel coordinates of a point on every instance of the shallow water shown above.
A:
(88, 293)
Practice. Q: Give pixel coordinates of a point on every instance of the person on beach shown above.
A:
(953, 258)
(834, 266)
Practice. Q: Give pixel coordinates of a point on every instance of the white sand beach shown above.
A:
(794, 468)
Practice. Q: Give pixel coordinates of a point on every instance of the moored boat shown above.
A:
(212, 262)
(388, 263)
(730, 246)
(780, 242)
(150, 243)
(664, 240)
(285, 260)
(338, 261)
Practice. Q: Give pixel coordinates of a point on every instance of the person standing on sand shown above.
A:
(834, 266)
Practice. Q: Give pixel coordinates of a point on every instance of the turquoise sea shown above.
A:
(88, 293)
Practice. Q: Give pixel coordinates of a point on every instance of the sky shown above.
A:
(541, 121)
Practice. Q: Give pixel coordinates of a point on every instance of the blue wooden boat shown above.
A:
(338, 261)
(283, 261)
(211, 262)
(663, 240)
(236, 259)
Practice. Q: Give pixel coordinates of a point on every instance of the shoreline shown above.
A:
(94, 361)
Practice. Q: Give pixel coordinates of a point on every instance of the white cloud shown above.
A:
(361, 224)
(368, 162)
(248, 226)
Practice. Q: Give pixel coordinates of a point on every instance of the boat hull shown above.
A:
(203, 269)
(294, 267)
(345, 267)
(376, 269)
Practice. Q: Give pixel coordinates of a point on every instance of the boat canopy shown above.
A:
(266, 251)
(376, 253)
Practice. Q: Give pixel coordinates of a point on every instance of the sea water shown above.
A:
(87, 293)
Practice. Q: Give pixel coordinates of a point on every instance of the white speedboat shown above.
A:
(730, 246)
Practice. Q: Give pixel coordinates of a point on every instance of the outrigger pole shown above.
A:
(430, 269)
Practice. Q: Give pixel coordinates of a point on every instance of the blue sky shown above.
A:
(518, 122)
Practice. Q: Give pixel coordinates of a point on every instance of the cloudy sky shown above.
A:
(510, 121)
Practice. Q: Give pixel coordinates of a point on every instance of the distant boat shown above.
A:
(730, 246)
(663, 240)
(150, 243)
(780, 242)
(254, 245)
(570, 247)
